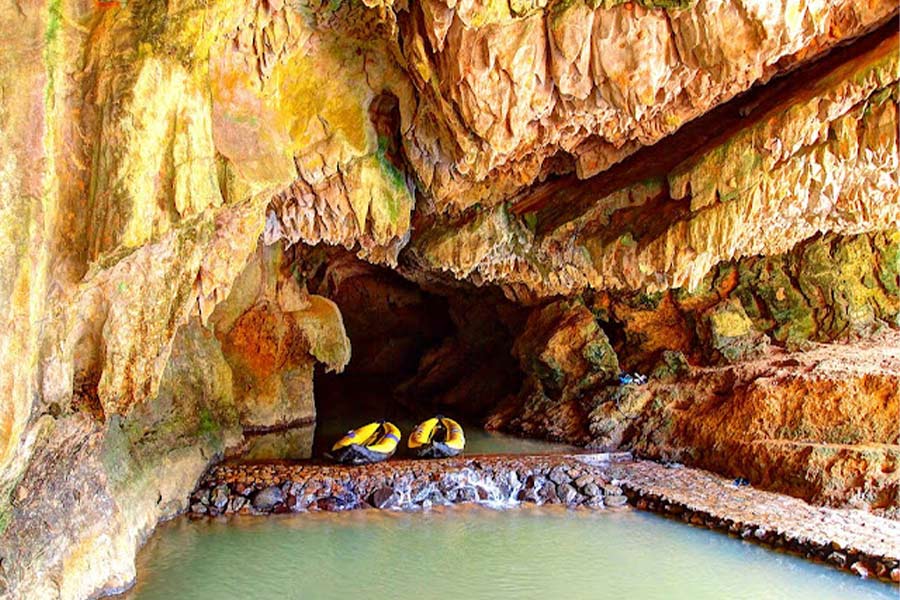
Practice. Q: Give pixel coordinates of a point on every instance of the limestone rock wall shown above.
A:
(756, 177)
(817, 424)
(273, 331)
(158, 161)
(93, 490)
(792, 385)
(125, 215)
(513, 92)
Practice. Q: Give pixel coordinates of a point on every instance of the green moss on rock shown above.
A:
(731, 333)
(671, 366)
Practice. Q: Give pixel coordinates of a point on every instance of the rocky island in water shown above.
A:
(619, 278)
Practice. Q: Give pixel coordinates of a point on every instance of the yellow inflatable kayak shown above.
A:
(437, 437)
(370, 443)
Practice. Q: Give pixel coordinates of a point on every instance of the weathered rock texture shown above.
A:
(162, 162)
(820, 424)
(793, 158)
(93, 490)
(511, 90)
(273, 331)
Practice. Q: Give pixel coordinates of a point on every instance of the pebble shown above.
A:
(566, 493)
(559, 475)
(615, 501)
(383, 497)
(548, 492)
(267, 498)
(595, 502)
(860, 569)
(219, 496)
(591, 489)
(611, 489)
(583, 481)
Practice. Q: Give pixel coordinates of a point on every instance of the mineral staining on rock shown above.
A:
(93, 490)
(740, 380)
(273, 332)
(164, 167)
(817, 424)
(510, 95)
(818, 158)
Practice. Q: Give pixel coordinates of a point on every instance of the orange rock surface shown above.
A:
(711, 178)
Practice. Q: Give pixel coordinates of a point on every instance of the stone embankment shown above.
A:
(853, 540)
(405, 485)
(850, 539)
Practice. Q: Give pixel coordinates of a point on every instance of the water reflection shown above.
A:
(295, 443)
(470, 552)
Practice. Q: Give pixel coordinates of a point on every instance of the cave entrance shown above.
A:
(415, 349)
(391, 324)
(415, 352)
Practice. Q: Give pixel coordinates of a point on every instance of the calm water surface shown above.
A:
(470, 552)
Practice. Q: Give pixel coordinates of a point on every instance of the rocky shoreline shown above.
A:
(855, 541)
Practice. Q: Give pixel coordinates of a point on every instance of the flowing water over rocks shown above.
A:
(493, 480)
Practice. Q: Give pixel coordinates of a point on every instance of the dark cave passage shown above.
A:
(416, 352)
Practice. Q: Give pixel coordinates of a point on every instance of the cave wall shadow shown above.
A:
(416, 351)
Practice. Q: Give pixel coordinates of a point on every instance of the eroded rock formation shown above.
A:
(816, 156)
(641, 176)
(745, 372)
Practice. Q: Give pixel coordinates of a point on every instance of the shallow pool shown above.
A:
(469, 552)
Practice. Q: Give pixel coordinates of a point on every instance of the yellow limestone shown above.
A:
(437, 437)
(370, 443)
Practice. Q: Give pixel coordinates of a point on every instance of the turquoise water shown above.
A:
(474, 553)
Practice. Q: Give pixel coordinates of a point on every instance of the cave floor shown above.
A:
(850, 539)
